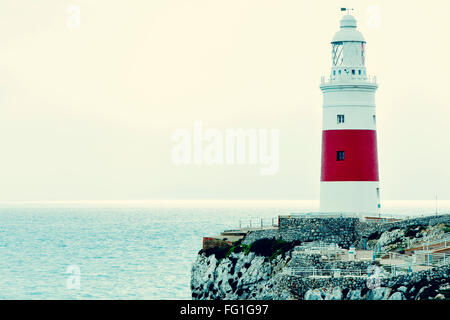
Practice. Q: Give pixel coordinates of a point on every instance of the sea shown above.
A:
(129, 250)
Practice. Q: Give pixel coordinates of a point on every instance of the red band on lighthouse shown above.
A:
(360, 160)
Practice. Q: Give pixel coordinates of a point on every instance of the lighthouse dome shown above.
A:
(348, 31)
(348, 21)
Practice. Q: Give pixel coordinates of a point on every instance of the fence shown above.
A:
(330, 251)
(397, 256)
(437, 244)
(315, 215)
(367, 79)
(425, 258)
(398, 269)
(258, 223)
(431, 259)
(326, 273)
(362, 216)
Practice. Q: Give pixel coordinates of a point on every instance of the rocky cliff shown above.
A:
(262, 269)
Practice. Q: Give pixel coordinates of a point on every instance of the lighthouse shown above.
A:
(349, 170)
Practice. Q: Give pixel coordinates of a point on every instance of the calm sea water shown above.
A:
(125, 251)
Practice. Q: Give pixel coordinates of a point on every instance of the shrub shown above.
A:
(237, 249)
(374, 236)
(268, 248)
(230, 251)
(219, 252)
(224, 251)
(246, 248)
(412, 231)
(271, 248)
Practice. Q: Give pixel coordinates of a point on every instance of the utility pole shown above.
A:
(436, 204)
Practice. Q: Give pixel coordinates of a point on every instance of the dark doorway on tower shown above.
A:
(340, 156)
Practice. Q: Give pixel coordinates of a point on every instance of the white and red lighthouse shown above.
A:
(349, 175)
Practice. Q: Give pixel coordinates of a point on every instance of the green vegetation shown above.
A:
(374, 236)
(446, 227)
(276, 254)
(219, 252)
(246, 248)
(268, 248)
(414, 230)
(272, 248)
(230, 251)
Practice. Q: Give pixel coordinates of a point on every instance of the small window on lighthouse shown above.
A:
(353, 71)
(340, 156)
(340, 118)
(374, 119)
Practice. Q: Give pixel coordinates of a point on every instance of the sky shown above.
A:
(89, 102)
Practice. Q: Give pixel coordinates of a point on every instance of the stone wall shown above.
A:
(427, 284)
(365, 229)
(209, 242)
(307, 260)
(333, 230)
(342, 231)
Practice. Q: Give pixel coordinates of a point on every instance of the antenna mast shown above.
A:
(347, 10)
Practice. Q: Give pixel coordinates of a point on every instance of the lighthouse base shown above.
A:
(349, 196)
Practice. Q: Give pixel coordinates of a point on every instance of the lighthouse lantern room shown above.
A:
(349, 173)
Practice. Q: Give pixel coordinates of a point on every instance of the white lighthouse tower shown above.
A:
(349, 175)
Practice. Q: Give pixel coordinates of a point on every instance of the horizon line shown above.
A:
(195, 200)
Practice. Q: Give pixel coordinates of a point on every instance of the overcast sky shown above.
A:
(87, 113)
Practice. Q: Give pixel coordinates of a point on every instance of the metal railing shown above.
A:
(344, 78)
(330, 251)
(397, 256)
(444, 241)
(328, 273)
(425, 258)
(258, 223)
(314, 215)
(398, 269)
(431, 259)
(376, 219)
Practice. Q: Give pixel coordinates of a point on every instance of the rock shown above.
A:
(252, 276)
(439, 296)
(445, 286)
(397, 296)
(313, 294)
(402, 289)
(421, 291)
(377, 294)
(354, 294)
(390, 237)
(336, 294)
